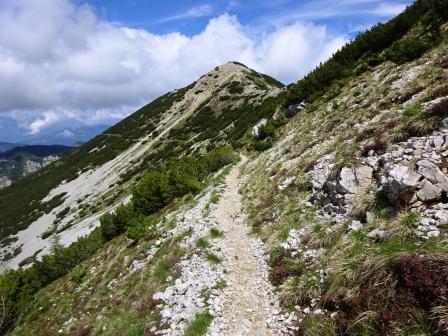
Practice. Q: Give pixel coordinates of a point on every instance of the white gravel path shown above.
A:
(250, 305)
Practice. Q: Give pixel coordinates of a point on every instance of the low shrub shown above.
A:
(407, 49)
(159, 187)
(114, 224)
(262, 145)
(266, 131)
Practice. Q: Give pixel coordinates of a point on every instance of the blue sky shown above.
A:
(189, 17)
(94, 62)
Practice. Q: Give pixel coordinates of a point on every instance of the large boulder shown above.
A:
(403, 176)
(322, 171)
(429, 192)
(433, 174)
(347, 181)
(352, 180)
(401, 184)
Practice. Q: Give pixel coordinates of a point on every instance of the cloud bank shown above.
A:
(74, 66)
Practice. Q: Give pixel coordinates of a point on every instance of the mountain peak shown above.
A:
(229, 69)
(231, 74)
(235, 66)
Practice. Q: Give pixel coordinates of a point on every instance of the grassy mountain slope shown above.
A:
(350, 259)
(356, 246)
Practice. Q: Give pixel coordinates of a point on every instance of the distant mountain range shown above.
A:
(5, 146)
(11, 133)
(34, 151)
(66, 136)
(22, 160)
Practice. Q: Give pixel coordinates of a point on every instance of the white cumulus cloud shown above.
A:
(74, 66)
(47, 119)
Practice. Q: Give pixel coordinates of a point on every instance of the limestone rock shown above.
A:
(433, 174)
(370, 217)
(351, 180)
(441, 216)
(377, 234)
(429, 192)
(400, 184)
(347, 180)
(355, 226)
(404, 176)
(256, 128)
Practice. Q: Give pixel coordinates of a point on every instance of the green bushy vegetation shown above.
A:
(267, 134)
(187, 175)
(208, 124)
(235, 88)
(262, 145)
(158, 187)
(407, 49)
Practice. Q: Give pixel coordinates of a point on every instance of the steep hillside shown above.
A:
(332, 221)
(351, 202)
(69, 197)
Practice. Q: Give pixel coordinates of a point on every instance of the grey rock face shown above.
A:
(433, 174)
(256, 128)
(445, 123)
(401, 183)
(5, 182)
(347, 181)
(429, 192)
(352, 180)
(403, 176)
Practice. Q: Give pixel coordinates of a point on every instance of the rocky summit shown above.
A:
(239, 206)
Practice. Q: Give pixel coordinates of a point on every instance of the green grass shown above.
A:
(317, 325)
(162, 271)
(283, 234)
(202, 243)
(221, 284)
(212, 257)
(205, 294)
(138, 330)
(410, 219)
(216, 233)
(215, 198)
(199, 325)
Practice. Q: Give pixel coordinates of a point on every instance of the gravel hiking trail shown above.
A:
(250, 305)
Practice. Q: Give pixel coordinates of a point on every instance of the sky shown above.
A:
(68, 65)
